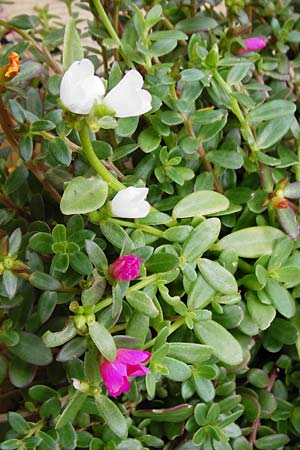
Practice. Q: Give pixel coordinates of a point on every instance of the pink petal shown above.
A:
(137, 371)
(124, 387)
(132, 357)
(252, 44)
(114, 375)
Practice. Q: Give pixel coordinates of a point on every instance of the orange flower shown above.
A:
(13, 66)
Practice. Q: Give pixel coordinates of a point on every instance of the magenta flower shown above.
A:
(253, 44)
(127, 364)
(126, 267)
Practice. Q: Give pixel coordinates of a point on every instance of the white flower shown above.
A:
(128, 98)
(80, 90)
(130, 203)
(76, 384)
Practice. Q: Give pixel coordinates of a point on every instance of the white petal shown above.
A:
(130, 203)
(80, 88)
(76, 384)
(128, 98)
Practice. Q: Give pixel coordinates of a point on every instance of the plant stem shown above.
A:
(177, 324)
(208, 167)
(95, 162)
(245, 126)
(145, 228)
(112, 32)
(140, 285)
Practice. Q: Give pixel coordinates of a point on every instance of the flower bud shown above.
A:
(252, 44)
(126, 268)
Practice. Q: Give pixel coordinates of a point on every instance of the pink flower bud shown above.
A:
(253, 44)
(126, 268)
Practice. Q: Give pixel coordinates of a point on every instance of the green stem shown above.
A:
(140, 285)
(145, 228)
(246, 128)
(95, 162)
(177, 324)
(112, 32)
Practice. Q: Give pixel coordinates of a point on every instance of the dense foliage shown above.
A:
(176, 327)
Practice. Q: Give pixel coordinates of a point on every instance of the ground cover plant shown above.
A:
(149, 252)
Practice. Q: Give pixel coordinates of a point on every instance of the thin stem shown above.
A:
(95, 162)
(140, 285)
(245, 126)
(145, 228)
(177, 324)
(112, 32)
(208, 167)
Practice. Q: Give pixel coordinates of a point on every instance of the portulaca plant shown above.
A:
(149, 227)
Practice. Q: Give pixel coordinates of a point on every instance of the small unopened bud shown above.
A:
(126, 268)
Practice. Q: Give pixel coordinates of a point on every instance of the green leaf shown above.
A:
(200, 203)
(251, 242)
(72, 50)
(162, 262)
(26, 147)
(60, 151)
(44, 281)
(127, 126)
(80, 263)
(281, 298)
(201, 239)
(103, 340)
(71, 410)
(272, 441)
(46, 305)
(224, 345)
(10, 283)
(261, 314)
(142, 303)
(10, 444)
(21, 373)
(196, 24)
(96, 255)
(226, 158)
(189, 353)
(68, 437)
(72, 349)
(31, 349)
(15, 180)
(217, 276)
(40, 393)
(238, 72)
(55, 339)
(149, 140)
(41, 242)
(168, 34)
(273, 109)
(112, 416)
(18, 423)
(24, 21)
(177, 370)
(271, 132)
(83, 195)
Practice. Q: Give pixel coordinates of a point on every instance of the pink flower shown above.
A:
(126, 268)
(127, 364)
(252, 45)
